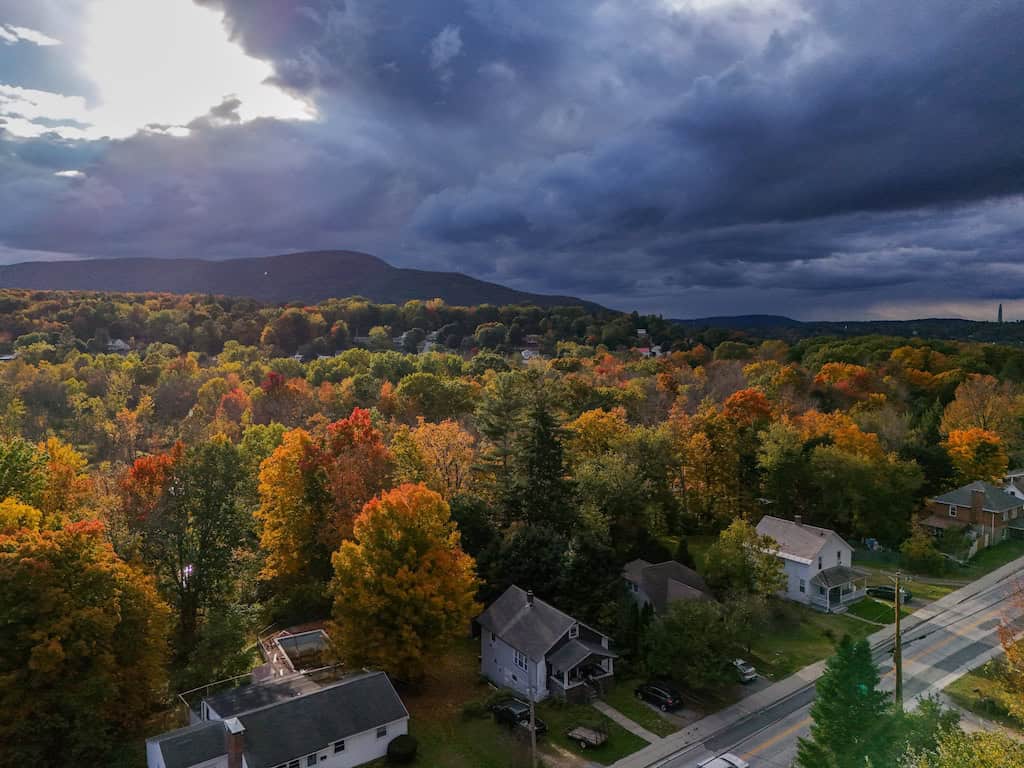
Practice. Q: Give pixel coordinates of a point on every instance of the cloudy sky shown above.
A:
(816, 158)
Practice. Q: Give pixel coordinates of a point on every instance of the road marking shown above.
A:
(777, 737)
(954, 635)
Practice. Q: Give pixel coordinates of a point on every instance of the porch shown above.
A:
(579, 670)
(834, 588)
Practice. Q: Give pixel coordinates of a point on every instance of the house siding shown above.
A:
(359, 749)
(497, 663)
(794, 572)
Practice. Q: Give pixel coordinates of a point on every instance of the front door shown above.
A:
(834, 597)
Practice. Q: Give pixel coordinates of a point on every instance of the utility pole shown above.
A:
(898, 650)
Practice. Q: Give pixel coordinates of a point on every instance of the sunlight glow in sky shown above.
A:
(160, 63)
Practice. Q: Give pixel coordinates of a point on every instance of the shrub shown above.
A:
(920, 555)
(402, 749)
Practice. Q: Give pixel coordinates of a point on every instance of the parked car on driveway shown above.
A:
(728, 760)
(744, 670)
(661, 695)
(889, 593)
(516, 713)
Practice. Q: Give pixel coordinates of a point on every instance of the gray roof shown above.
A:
(193, 745)
(248, 697)
(797, 539)
(287, 730)
(836, 576)
(576, 651)
(531, 630)
(1015, 472)
(667, 582)
(996, 499)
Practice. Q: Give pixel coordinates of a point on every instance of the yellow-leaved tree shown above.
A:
(977, 454)
(403, 589)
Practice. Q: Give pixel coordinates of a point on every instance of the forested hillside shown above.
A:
(209, 482)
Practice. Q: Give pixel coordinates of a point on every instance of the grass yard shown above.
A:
(799, 636)
(622, 697)
(878, 611)
(982, 692)
(454, 736)
(990, 558)
(560, 718)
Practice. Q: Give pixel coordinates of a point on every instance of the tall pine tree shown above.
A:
(851, 716)
(544, 493)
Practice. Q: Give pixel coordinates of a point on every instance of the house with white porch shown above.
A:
(818, 564)
(533, 648)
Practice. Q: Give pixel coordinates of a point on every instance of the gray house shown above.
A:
(661, 584)
(533, 648)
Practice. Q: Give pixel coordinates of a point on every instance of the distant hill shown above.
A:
(310, 277)
(778, 326)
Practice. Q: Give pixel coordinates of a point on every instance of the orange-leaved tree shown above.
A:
(84, 641)
(977, 454)
(403, 589)
(448, 455)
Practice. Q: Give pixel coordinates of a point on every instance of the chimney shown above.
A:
(977, 499)
(798, 519)
(529, 597)
(234, 735)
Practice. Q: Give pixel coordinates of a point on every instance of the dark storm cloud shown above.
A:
(829, 157)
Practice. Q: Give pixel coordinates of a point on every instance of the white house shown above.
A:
(285, 725)
(536, 650)
(818, 564)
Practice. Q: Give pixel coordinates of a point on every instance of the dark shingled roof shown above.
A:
(996, 499)
(193, 745)
(529, 629)
(288, 730)
(667, 582)
(576, 651)
(836, 576)
(247, 697)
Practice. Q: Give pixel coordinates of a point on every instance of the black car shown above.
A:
(516, 713)
(661, 695)
(889, 593)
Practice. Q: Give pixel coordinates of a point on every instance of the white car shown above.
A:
(728, 760)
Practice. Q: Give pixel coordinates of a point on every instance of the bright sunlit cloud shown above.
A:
(11, 34)
(153, 63)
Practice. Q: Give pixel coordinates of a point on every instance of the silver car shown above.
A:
(745, 670)
(728, 760)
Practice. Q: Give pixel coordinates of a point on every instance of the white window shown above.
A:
(952, 511)
(519, 659)
(310, 760)
(821, 590)
(819, 562)
(339, 746)
(634, 586)
(839, 557)
(574, 631)
(803, 585)
(382, 732)
(492, 637)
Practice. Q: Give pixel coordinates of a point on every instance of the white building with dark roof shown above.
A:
(818, 564)
(535, 649)
(288, 725)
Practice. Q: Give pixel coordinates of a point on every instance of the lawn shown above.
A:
(878, 611)
(982, 691)
(454, 736)
(561, 718)
(799, 636)
(990, 558)
(622, 697)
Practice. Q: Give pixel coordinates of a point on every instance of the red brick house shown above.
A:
(988, 512)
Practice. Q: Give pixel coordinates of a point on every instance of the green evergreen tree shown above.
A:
(499, 418)
(851, 716)
(544, 493)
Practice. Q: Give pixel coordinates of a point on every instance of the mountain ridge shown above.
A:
(308, 276)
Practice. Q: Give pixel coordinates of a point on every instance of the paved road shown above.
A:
(935, 653)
